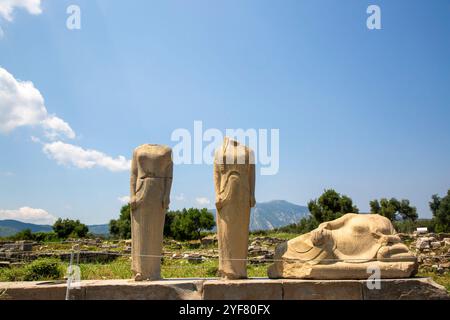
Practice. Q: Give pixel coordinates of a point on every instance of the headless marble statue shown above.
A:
(344, 249)
(151, 181)
(234, 181)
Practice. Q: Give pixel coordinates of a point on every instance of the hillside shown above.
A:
(99, 229)
(274, 214)
(11, 227)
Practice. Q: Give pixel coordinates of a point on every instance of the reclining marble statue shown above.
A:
(151, 181)
(344, 249)
(234, 181)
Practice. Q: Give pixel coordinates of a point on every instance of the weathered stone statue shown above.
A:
(151, 181)
(234, 181)
(344, 249)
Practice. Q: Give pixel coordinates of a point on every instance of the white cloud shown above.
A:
(27, 214)
(54, 125)
(71, 155)
(202, 201)
(21, 104)
(2, 33)
(124, 199)
(6, 173)
(180, 197)
(7, 7)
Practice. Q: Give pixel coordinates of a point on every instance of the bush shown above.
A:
(45, 237)
(44, 269)
(11, 274)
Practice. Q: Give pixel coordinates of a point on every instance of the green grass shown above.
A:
(272, 234)
(121, 269)
(443, 280)
(205, 269)
(117, 269)
(185, 269)
(283, 235)
(258, 270)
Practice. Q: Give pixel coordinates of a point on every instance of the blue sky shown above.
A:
(365, 112)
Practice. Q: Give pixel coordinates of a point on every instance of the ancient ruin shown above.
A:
(350, 247)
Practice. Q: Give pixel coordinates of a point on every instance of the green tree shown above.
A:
(170, 216)
(434, 204)
(188, 224)
(440, 207)
(121, 228)
(407, 211)
(331, 205)
(390, 208)
(375, 207)
(70, 228)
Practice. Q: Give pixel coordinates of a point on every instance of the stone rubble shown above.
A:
(209, 240)
(432, 250)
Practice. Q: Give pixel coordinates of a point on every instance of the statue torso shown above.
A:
(152, 161)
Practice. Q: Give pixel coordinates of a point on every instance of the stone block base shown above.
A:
(210, 289)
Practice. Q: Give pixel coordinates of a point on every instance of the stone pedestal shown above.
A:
(251, 289)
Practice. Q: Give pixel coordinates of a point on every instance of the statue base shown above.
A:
(213, 289)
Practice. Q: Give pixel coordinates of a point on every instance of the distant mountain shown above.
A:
(99, 229)
(11, 227)
(275, 214)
